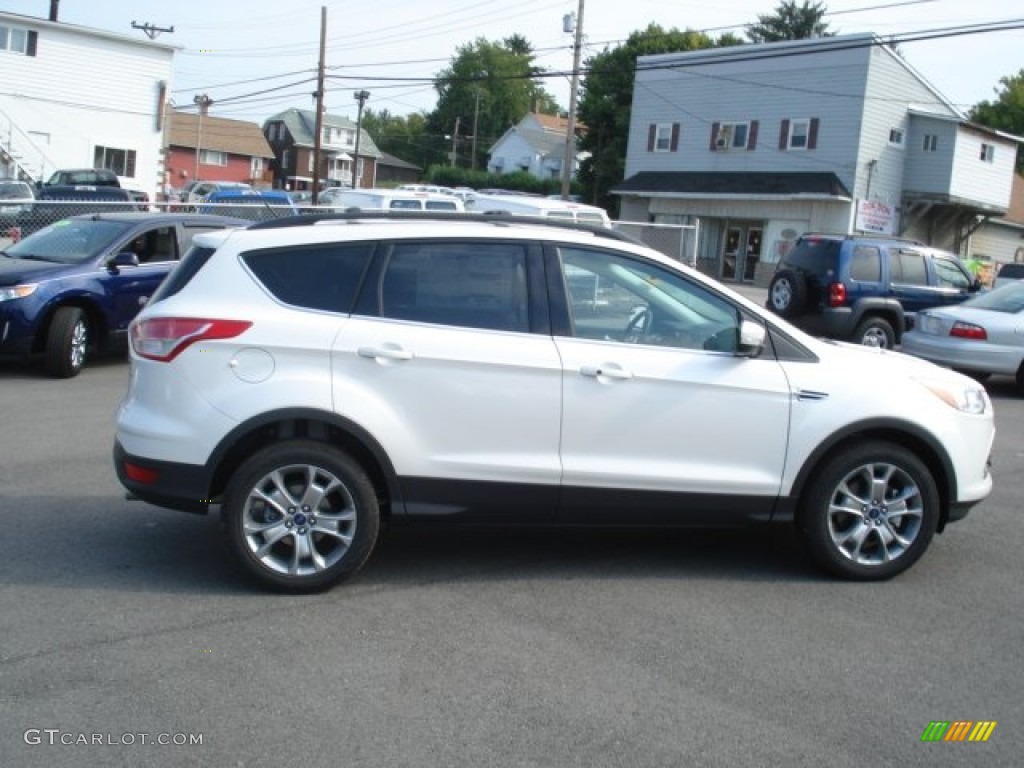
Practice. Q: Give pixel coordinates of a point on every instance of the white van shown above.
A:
(527, 205)
(389, 200)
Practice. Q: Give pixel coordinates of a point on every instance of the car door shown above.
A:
(954, 284)
(129, 287)
(662, 421)
(443, 363)
(910, 281)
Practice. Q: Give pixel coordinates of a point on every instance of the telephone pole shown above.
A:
(319, 96)
(455, 138)
(361, 97)
(568, 160)
(203, 102)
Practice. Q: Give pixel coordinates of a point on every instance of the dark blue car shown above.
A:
(75, 285)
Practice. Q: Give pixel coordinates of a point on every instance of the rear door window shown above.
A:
(949, 274)
(908, 268)
(472, 285)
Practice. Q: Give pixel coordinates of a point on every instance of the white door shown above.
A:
(655, 398)
(464, 399)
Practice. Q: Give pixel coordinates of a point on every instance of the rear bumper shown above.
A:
(163, 483)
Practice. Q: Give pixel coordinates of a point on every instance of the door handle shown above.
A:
(385, 352)
(608, 371)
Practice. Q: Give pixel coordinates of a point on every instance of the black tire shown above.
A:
(271, 504)
(67, 343)
(1020, 378)
(862, 530)
(875, 331)
(979, 376)
(787, 293)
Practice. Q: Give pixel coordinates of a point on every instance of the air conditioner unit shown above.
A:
(724, 138)
(721, 143)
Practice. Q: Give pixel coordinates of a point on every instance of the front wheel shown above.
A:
(67, 342)
(871, 512)
(301, 516)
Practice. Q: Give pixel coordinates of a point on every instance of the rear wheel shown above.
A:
(875, 332)
(67, 343)
(301, 516)
(787, 293)
(871, 512)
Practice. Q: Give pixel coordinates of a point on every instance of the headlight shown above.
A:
(967, 398)
(17, 291)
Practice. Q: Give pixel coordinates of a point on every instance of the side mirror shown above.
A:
(976, 285)
(752, 338)
(123, 259)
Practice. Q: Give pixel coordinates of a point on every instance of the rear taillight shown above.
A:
(968, 331)
(836, 295)
(164, 338)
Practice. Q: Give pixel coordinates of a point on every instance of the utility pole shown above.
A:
(318, 122)
(568, 160)
(455, 138)
(361, 97)
(476, 120)
(203, 102)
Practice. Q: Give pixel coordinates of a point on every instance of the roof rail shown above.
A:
(309, 219)
(852, 235)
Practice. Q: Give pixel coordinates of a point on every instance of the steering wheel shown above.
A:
(639, 324)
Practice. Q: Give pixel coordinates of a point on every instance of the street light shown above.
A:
(361, 97)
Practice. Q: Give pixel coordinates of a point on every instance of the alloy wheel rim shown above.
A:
(79, 342)
(875, 514)
(299, 520)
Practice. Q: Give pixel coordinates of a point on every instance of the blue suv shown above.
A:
(76, 284)
(864, 289)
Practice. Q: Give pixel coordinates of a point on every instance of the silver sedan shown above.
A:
(982, 336)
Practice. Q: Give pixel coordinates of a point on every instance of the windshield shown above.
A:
(71, 241)
(1007, 298)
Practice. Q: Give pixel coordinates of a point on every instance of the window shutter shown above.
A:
(812, 134)
(30, 48)
(784, 135)
(675, 137)
(714, 135)
(652, 133)
(752, 136)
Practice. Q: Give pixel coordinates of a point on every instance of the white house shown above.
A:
(536, 145)
(763, 142)
(75, 97)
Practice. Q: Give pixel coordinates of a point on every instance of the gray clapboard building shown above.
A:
(761, 143)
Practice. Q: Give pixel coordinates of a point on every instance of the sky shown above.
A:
(254, 58)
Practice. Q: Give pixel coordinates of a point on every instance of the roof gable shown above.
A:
(236, 137)
(301, 124)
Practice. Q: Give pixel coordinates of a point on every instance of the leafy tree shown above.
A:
(402, 136)
(790, 21)
(1006, 113)
(606, 104)
(491, 85)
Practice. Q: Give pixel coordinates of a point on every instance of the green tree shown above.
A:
(1006, 113)
(489, 85)
(606, 104)
(404, 137)
(790, 21)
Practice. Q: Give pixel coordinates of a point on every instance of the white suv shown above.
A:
(312, 377)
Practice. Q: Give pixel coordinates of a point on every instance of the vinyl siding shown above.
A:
(82, 90)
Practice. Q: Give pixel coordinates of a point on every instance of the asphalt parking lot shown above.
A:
(126, 626)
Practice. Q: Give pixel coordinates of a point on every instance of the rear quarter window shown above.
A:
(325, 277)
(817, 257)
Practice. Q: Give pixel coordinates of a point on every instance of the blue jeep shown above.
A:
(864, 289)
(77, 283)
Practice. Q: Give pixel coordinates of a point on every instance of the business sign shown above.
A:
(875, 216)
